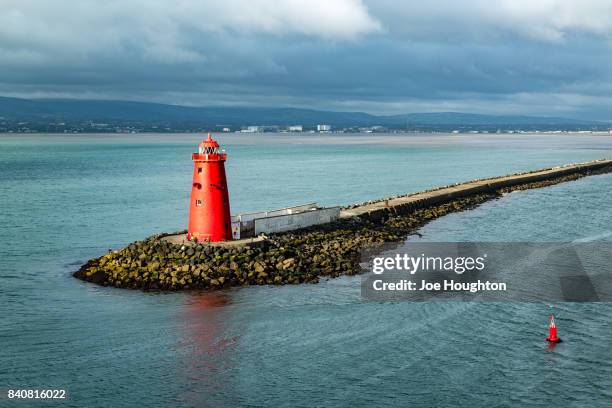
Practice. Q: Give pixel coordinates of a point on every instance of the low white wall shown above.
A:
(292, 210)
(251, 216)
(291, 222)
(246, 217)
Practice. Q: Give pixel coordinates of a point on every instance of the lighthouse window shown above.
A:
(199, 170)
(198, 203)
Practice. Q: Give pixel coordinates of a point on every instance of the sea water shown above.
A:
(67, 198)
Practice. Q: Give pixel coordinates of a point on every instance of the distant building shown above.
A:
(251, 129)
(296, 128)
(323, 128)
(226, 129)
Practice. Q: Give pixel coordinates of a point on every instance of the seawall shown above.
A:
(302, 256)
(409, 203)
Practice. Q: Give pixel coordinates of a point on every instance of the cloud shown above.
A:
(335, 20)
(486, 21)
(382, 56)
(168, 31)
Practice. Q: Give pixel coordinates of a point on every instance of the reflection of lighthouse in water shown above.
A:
(209, 210)
(206, 346)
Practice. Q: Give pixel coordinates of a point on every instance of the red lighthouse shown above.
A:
(209, 211)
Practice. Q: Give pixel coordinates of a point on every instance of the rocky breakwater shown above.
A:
(301, 256)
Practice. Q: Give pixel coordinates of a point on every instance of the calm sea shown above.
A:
(67, 198)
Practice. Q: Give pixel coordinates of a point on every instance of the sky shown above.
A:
(530, 57)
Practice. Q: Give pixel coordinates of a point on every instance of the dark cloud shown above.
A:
(548, 58)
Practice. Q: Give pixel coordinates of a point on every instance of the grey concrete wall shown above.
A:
(291, 222)
(247, 220)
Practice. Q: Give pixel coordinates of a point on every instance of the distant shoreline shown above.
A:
(110, 116)
(600, 132)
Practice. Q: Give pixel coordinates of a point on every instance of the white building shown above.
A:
(323, 128)
(296, 128)
(251, 129)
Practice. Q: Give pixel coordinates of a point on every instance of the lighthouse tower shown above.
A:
(209, 211)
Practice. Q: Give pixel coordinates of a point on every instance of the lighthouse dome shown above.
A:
(208, 146)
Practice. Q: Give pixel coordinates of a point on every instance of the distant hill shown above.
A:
(98, 110)
(49, 110)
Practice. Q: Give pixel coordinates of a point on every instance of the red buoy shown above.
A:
(552, 331)
(209, 211)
